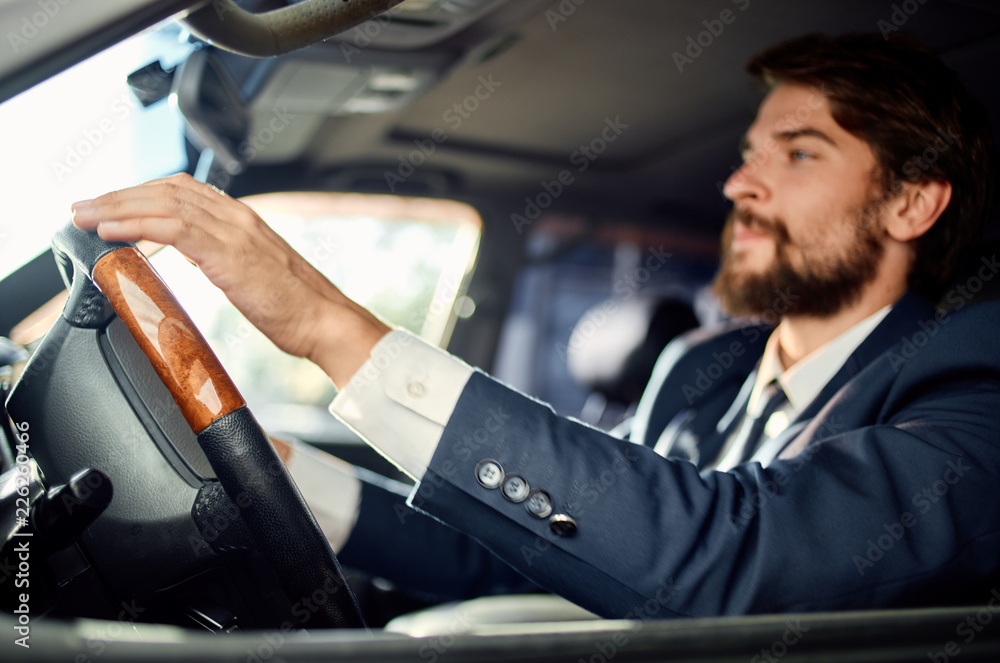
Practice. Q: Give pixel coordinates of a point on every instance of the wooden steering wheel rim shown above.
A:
(177, 350)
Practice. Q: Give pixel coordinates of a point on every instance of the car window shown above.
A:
(82, 133)
(407, 259)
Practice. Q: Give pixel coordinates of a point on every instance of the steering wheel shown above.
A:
(280, 31)
(246, 465)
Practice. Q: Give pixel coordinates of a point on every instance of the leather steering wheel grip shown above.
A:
(280, 31)
(240, 453)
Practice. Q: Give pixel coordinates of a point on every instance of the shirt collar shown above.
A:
(803, 381)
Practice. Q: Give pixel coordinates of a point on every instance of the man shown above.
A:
(868, 418)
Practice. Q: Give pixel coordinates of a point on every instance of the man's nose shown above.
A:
(747, 183)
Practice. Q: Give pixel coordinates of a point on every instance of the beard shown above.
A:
(829, 279)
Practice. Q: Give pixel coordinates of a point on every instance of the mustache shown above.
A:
(755, 222)
(772, 226)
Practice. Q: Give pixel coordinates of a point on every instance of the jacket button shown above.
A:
(489, 473)
(515, 488)
(539, 504)
(562, 525)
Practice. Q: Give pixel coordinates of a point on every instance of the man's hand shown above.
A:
(272, 285)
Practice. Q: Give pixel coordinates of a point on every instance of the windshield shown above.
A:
(80, 134)
(407, 259)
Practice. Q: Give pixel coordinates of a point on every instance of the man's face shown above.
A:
(806, 230)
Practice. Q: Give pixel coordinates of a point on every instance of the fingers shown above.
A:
(164, 200)
(171, 196)
(176, 210)
(193, 242)
(139, 222)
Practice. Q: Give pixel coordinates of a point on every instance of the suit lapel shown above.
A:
(699, 433)
(897, 324)
(698, 386)
(714, 439)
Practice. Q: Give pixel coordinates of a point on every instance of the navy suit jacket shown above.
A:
(885, 495)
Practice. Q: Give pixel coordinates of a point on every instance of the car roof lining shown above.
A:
(560, 80)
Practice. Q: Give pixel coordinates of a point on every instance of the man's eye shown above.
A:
(800, 155)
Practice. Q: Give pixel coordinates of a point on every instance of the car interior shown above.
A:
(533, 185)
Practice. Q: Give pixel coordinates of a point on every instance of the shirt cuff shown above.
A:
(401, 399)
(330, 488)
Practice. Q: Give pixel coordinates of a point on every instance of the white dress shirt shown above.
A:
(402, 398)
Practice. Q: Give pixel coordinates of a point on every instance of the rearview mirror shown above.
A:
(211, 102)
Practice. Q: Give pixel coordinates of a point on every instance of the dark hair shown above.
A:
(920, 121)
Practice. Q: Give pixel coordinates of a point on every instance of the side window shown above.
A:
(408, 260)
(81, 133)
(587, 300)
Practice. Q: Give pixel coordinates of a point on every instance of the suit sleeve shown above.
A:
(399, 402)
(890, 500)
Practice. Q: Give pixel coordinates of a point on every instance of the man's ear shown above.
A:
(916, 207)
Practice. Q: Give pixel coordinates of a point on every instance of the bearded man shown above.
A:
(846, 458)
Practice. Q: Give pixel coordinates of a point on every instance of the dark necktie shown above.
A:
(772, 397)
